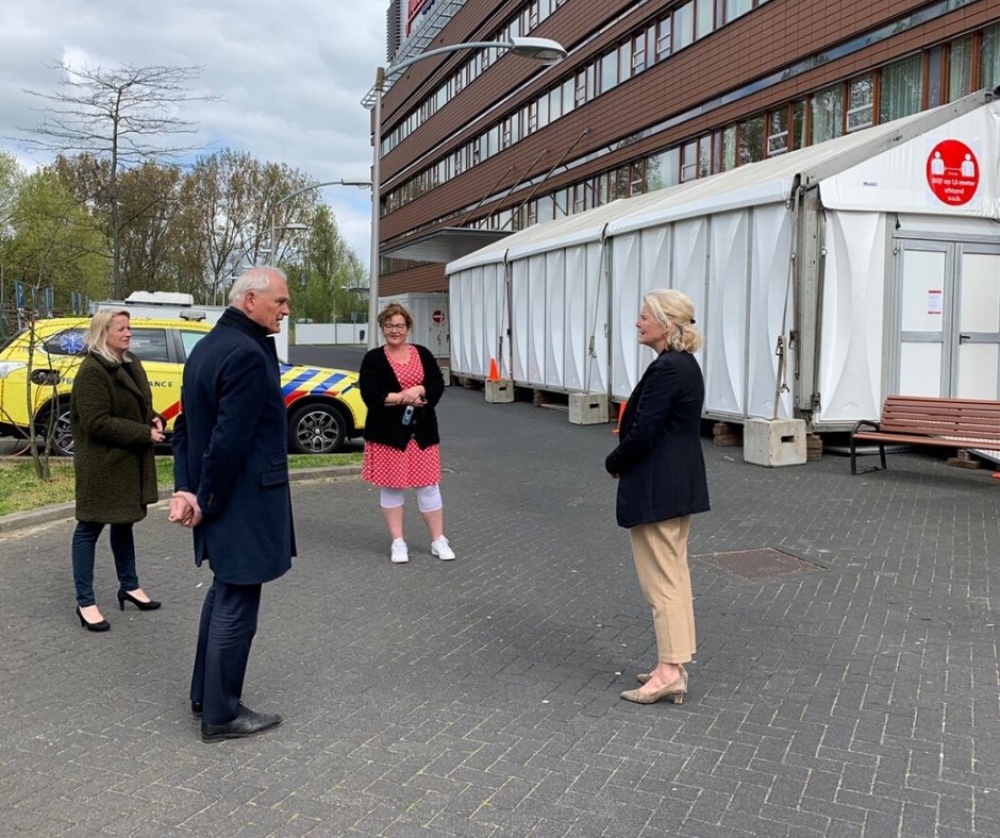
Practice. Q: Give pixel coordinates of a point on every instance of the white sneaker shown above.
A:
(400, 555)
(442, 549)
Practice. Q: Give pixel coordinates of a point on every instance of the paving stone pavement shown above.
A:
(480, 697)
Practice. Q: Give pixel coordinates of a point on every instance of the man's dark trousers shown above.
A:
(228, 625)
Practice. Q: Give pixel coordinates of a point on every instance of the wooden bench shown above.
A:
(921, 420)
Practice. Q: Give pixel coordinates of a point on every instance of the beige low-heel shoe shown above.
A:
(643, 677)
(675, 691)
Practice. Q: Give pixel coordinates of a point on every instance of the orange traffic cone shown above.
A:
(621, 413)
(494, 372)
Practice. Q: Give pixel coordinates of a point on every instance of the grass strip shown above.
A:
(21, 490)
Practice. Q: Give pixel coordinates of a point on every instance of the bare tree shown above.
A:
(123, 117)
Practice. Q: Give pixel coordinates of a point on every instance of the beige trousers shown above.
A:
(660, 553)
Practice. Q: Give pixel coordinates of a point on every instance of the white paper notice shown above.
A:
(935, 302)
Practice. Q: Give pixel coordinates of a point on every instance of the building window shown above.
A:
(580, 95)
(705, 18)
(663, 39)
(568, 95)
(638, 53)
(737, 8)
(555, 104)
(799, 137)
(684, 26)
(827, 114)
(729, 148)
(960, 68)
(859, 104)
(625, 60)
(543, 111)
(751, 139)
(989, 58)
(777, 132)
(902, 89)
(609, 71)
(637, 178)
(689, 162)
(663, 169)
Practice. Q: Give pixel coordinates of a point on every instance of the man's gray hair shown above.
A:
(255, 279)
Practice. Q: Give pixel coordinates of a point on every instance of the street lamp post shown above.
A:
(539, 49)
(273, 255)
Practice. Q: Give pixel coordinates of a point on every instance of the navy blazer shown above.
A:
(231, 450)
(659, 461)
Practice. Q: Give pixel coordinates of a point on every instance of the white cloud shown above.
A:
(290, 76)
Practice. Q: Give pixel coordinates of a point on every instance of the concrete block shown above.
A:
(500, 392)
(774, 442)
(445, 373)
(588, 408)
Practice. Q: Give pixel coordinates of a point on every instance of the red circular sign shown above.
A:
(953, 172)
(438, 317)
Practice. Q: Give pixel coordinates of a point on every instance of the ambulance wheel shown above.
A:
(316, 429)
(62, 438)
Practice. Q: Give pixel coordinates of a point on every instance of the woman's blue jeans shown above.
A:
(85, 546)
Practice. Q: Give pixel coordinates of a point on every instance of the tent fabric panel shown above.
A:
(726, 325)
(459, 312)
(771, 305)
(575, 314)
(537, 320)
(852, 319)
(596, 376)
(556, 332)
(627, 300)
(520, 327)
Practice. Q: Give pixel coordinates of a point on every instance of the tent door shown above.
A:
(947, 318)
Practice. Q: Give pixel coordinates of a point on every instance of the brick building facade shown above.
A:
(653, 93)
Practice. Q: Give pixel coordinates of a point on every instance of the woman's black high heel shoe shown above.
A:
(123, 595)
(104, 625)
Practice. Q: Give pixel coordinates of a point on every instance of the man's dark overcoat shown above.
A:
(230, 449)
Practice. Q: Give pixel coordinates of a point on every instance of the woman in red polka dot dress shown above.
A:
(401, 383)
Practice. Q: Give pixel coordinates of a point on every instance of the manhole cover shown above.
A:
(760, 563)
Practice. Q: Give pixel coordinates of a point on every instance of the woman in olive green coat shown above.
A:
(114, 429)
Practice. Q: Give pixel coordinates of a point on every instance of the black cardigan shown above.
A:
(385, 423)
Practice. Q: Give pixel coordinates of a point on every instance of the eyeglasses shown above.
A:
(394, 327)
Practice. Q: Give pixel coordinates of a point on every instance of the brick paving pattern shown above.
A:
(480, 697)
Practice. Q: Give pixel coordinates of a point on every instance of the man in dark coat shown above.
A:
(231, 486)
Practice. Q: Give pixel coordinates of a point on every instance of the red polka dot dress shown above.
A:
(413, 467)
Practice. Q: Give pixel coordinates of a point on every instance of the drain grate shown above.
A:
(762, 562)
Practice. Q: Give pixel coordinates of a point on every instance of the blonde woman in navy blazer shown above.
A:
(662, 483)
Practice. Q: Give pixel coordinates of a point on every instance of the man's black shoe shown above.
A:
(246, 723)
(196, 709)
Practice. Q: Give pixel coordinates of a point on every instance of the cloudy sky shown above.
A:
(290, 75)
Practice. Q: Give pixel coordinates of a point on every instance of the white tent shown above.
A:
(874, 257)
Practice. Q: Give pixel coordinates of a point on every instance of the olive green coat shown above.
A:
(111, 414)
